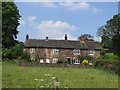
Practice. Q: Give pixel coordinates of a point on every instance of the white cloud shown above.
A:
(72, 6)
(32, 18)
(97, 38)
(54, 29)
(49, 4)
(95, 9)
(75, 6)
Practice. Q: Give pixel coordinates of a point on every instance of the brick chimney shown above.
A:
(65, 36)
(82, 38)
(46, 38)
(27, 36)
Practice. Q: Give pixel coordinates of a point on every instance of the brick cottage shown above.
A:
(51, 50)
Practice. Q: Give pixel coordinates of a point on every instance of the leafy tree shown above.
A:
(110, 34)
(10, 21)
(87, 37)
(14, 52)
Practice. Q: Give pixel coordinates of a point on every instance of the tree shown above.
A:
(14, 52)
(10, 21)
(87, 37)
(110, 34)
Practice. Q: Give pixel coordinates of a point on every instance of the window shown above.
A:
(32, 50)
(55, 51)
(47, 60)
(55, 60)
(41, 60)
(76, 61)
(76, 52)
(91, 52)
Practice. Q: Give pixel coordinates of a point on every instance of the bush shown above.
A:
(61, 61)
(33, 61)
(86, 57)
(109, 56)
(25, 56)
(14, 52)
(85, 62)
(108, 64)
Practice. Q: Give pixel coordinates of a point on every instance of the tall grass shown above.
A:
(15, 76)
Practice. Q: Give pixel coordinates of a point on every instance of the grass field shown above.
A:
(15, 76)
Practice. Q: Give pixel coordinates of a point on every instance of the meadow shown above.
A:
(14, 76)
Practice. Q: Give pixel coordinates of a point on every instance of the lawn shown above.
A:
(15, 76)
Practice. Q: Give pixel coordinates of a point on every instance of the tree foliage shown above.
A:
(10, 21)
(110, 34)
(13, 52)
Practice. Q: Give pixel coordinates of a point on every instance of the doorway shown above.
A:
(68, 59)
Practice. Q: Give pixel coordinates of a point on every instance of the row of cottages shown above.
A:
(50, 50)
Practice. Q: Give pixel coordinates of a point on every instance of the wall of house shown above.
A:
(63, 53)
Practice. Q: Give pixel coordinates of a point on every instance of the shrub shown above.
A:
(25, 56)
(86, 57)
(108, 64)
(14, 52)
(85, 62)
(61, 61)
(33, 61)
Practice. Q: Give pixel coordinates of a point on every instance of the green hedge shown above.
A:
(61, 61)
(113, 65)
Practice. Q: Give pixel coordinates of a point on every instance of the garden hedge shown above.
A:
(113, 65)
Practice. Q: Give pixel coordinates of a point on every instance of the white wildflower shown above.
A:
(36, 79)
(66, 87)
(56, 83)
(53, 77)
(41, 79)
(41, 86)
(45, 74)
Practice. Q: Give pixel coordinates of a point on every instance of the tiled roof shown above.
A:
(71, 44)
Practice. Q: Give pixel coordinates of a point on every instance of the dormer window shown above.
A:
(91, 52)
(76, 52)
(55, 51)
(32, 50)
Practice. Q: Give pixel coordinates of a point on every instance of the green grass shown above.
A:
(15, 76)
(0, 74)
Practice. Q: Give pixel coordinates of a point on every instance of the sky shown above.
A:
(55, 19)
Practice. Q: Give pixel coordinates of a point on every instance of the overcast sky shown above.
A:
(54, 19)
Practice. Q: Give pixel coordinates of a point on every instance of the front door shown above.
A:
(68, 59)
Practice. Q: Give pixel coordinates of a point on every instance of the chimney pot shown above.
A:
(46, 37)
(27, 36)
(82, 38)
(65, 36)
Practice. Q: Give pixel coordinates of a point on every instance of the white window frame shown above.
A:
(41, 60)
(32, 50)
(55, 51)
(47, 60)
(76, 52)
(76, 61)
(55, 60)
(89, 52)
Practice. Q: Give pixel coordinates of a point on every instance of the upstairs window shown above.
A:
(91, 52)
(76, 52)
(55, 51)
(32, 50)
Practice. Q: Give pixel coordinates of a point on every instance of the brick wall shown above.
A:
(63, 53)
